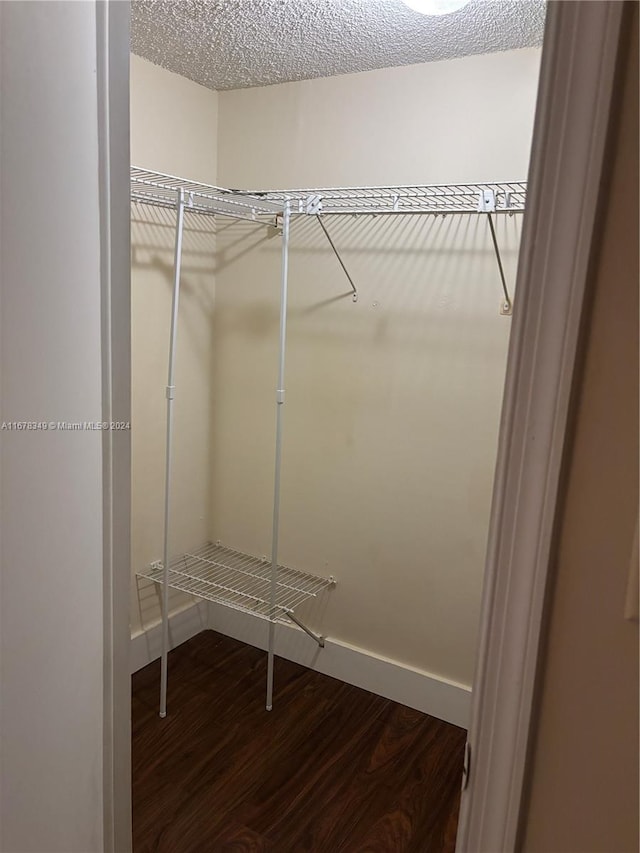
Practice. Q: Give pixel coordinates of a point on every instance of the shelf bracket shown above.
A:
(507, 305)
(337, 254)
(319, 640)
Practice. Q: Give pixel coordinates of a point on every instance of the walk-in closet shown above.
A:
(326, 208)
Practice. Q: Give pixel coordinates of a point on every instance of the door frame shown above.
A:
(568, 163)
(575, 97)
(112, 81)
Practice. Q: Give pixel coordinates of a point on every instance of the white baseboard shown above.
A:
(421, 690)
(415, 688)
(186, 623)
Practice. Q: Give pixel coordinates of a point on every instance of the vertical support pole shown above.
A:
(177, 262)
(276, 486)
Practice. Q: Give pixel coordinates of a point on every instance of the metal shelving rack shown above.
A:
(240, 581)
(505, 197)
(263, 587)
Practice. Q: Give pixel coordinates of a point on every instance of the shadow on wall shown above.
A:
(390, 427)
(153, 239)
(150, 601)
(153, 232)
(398, 263)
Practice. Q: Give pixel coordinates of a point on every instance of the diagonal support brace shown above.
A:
(319, 640)
(507, 305)
(337, 254)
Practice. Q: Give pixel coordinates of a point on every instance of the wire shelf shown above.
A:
(508, 196)
(155, 188)
(237, 580)
(163, 190)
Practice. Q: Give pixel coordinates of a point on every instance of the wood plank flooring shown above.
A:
(332, 769)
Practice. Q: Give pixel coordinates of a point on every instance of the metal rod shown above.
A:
(167, 488)
(507, 298)
(319, 640)
(337, 254)
(344, 210)
(286, 219)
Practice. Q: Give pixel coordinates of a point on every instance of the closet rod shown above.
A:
(177, 263)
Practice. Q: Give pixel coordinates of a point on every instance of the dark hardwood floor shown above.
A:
(332, 769)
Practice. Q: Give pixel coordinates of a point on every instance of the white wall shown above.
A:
(51, 624)
(174, 130)
(393, 403)
(462, 120)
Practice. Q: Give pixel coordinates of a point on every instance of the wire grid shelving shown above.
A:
(220, 574)
(156, 188)
(508, 197)
(162, 190)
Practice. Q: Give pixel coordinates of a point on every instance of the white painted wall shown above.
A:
(174, 130)
(393, 403)
(51, 625)
(462, 120)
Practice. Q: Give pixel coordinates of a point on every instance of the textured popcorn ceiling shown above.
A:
(233, 44)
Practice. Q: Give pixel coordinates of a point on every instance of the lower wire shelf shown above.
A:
(241, 581)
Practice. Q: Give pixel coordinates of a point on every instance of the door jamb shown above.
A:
(112, 80)
(575, 95)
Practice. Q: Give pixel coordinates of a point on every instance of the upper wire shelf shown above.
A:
(504, 197)
(163, 190)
